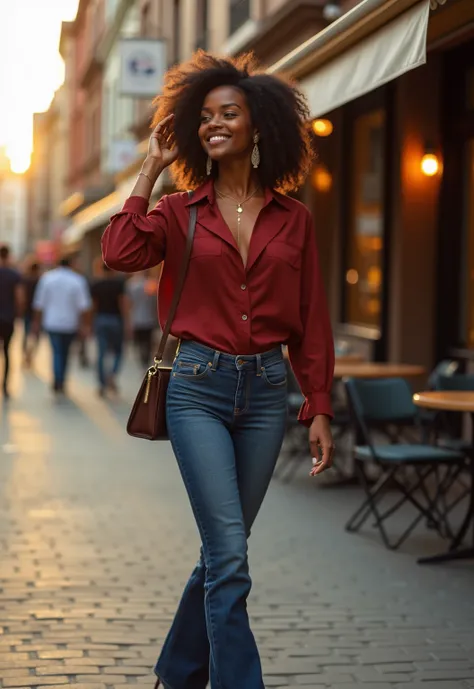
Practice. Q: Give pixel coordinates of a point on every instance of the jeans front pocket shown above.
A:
(190, 370)
(274, 374)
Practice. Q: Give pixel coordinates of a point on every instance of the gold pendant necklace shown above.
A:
(238, 207)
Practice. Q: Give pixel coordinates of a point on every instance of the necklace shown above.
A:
(238, 207)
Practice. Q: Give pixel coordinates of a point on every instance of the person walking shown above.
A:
(240, 139)
(143, 315)
(62, 306)
(110, 321)
(11, 306)
(30, 340)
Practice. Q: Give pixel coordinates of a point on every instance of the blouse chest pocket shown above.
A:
(206, 246)
(285, 252)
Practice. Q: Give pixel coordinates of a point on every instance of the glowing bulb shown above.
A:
(352, 276)
(322, 178)
(430, 164)
(323, 127)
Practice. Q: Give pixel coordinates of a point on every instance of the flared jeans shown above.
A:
(226, 419)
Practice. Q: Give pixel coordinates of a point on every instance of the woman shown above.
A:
(235, 136)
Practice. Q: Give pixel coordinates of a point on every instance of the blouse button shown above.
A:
(244, 316)
(243, 286)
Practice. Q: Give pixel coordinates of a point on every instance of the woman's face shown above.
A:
(226, 128)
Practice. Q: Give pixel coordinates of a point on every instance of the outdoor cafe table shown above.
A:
(459, 401)
(376, 370)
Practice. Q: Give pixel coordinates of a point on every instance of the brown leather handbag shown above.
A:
(148, 416)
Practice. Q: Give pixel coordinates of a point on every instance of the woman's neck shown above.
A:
(236, 178)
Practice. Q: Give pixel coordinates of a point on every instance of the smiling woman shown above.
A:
(34, 72)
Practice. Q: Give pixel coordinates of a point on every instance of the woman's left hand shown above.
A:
(321, 443)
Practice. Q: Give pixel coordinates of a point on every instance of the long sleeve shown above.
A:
(134, 239)
(312, 357)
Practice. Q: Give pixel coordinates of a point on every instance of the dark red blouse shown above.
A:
(278, 298)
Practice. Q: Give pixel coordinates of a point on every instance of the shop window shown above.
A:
(239, 14)
(363, 274)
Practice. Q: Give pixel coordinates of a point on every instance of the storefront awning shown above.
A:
(377, 41)
(99, 213)
(95, 215)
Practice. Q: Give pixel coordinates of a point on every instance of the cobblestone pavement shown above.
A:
(97, 540)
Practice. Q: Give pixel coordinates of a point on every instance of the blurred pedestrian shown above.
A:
(62, 306)
(110, 322)
(82, 337)
(31, 277)
(238, 137)
(141, 291)
(11, 306)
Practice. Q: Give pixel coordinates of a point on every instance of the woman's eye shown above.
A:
(230, 114)
(205, 118)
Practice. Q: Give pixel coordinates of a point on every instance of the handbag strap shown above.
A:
(180, 284)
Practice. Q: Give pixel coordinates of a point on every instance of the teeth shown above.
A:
(218, 138)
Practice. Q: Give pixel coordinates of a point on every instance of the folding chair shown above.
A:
(404, 467)
(296, 445)
(458, 381)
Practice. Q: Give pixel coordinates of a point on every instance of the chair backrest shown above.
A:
(385, 400)
(445, 368)
(458, 381)
(377, 402)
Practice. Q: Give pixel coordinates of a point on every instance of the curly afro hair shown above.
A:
(278, 111)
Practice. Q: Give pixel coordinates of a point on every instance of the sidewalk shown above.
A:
(97, 540)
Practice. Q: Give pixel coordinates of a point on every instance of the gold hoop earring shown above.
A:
(209, 165)
(255, 157)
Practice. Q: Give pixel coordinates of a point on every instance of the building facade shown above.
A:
(395, 240)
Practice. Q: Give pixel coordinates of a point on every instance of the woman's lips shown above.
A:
(217, 139)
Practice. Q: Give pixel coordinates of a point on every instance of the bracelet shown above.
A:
(145, 175)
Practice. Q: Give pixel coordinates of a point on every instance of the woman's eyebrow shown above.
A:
(226, 105)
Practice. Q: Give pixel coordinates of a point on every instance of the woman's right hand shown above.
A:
(162, 145)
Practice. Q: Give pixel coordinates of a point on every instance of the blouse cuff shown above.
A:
(315, 404)
(135, 204)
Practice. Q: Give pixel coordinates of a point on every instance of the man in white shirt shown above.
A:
(62, 304)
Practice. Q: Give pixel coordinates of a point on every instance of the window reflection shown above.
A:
(363, 287)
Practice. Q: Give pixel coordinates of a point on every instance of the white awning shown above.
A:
(96, 215)
(344, 74)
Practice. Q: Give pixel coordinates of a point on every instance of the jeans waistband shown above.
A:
(250, 362)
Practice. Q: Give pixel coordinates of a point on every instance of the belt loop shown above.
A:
(259, 364)
(215, 360)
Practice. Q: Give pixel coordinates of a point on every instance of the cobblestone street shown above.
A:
(97, 540)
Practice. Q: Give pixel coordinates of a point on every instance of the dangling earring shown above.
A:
(209, 165)
(255, 158)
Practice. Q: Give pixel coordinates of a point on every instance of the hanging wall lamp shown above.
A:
(430, 164)
(322, 127)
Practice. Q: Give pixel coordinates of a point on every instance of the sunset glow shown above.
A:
(31, 69)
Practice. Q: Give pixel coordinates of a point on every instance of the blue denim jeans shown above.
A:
(60, 344)
(109, 333)
(226, 419)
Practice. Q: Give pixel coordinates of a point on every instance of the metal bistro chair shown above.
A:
(428, 418)
(456, 475)
(295, 447)
(404, 467)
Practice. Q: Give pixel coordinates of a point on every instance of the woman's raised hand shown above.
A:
(162, 145)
